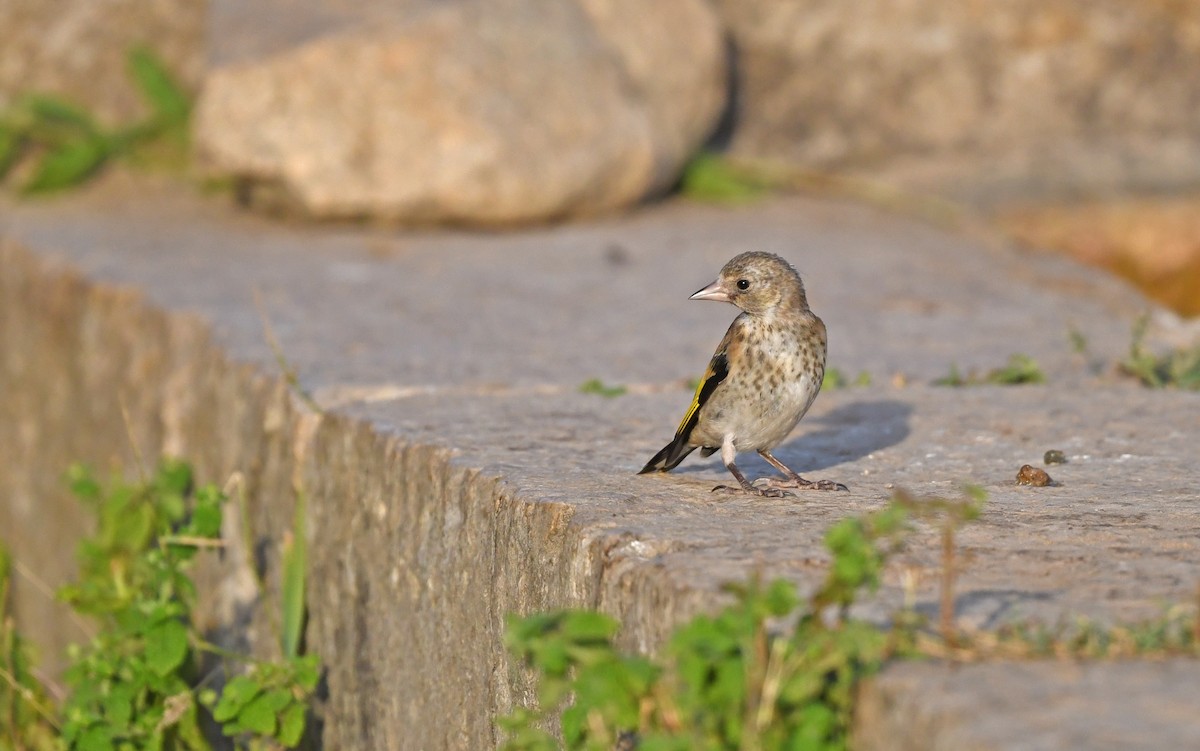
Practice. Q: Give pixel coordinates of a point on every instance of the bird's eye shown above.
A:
(743, 284)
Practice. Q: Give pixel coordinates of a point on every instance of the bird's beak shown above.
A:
(713, 291)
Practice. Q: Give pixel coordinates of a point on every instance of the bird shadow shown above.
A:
(845, 434)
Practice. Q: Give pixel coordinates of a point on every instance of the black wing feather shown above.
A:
(678, 449)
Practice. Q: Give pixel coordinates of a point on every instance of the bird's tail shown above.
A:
(669, 458)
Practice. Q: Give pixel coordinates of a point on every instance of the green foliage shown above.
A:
(1179, 368)
(136, 685)
(169, 103)
(1175, 633)
(713, 178)
(729, 681)
(598, 387)
(65, 144)
(953, 378)
(836, 379)
(295, 569)
(26, 718)
(270, 700)
(1021, 369)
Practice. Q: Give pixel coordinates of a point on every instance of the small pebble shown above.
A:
(1054, 456)
(1030, 475)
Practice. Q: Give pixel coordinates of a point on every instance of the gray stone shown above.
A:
(1032, 706)
(474, 113)
(79, 49)
(459, 475)
(987, 102)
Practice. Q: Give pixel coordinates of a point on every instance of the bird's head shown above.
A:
(758, 283)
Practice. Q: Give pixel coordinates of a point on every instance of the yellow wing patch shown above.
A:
(695, 401)
(718, 368)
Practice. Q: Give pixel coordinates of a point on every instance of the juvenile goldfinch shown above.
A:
(762, 378)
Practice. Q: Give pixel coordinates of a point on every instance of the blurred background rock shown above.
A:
(1070, 123)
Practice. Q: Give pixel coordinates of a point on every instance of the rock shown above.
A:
(1054, 456)
(474, 113)
(1033, 476)
(78, 49)
(984, 102)
(1153, 242)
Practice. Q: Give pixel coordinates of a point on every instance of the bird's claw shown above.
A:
(764, 492)
(801, 484)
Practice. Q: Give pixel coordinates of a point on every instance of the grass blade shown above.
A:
(169, 101)
(295, 566)
(68, 164)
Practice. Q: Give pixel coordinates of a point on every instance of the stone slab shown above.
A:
(1033, 706)
(460, 474)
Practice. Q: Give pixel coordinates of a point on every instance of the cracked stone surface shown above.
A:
(460, 473)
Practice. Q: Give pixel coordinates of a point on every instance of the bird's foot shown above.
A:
(750, 489)
(800, 483)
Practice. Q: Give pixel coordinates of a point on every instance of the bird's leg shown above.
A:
(728, 453)
(793, 479)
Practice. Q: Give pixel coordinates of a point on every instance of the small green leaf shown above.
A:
(171, 104)
(833, 379)
(54, 111)
(291, 724)
(1020, 369)
(118, 705)
(237, 694)
(259, 715)
(574, 725)
(82, 482)
(95, 739)
(781, 597)
(173, 477)
(307, 671)
(67, 164)
(166, 646)
(206, 519)
(588, 626)
(597, 387)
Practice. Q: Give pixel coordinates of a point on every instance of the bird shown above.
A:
(762, 379)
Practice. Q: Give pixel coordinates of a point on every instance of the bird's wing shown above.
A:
(675, 451)
(718, 369)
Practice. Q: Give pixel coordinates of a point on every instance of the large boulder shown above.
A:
(490, 112)
(986, 101)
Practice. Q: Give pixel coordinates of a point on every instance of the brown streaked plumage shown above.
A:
(762, 378)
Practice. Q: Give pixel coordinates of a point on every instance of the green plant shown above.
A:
(1020, 369)
(948, 516)
(836, 379)
(1179, 367)
(67, 144)
(713, 178)
(729, 681)
(27, 719)
(598, 387)
(136, 684)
